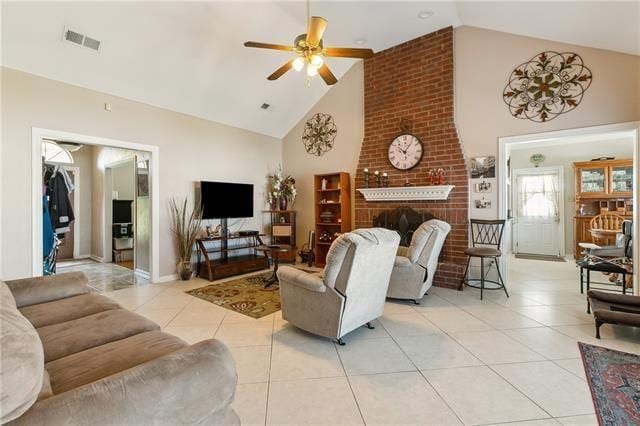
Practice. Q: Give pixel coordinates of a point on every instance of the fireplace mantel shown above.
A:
(407, 193)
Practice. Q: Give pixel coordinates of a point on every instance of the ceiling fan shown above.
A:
(311, 51)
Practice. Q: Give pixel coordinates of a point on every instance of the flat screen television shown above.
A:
(222, 200)
(122, 211)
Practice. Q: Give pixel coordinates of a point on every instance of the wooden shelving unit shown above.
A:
(334, 199)
(282, 232)
(601, 187)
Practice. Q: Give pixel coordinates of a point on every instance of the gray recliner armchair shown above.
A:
(415, 266)
(351, 290)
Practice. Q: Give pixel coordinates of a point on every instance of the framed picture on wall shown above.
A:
(142, 173)
(483, 167)
(483, 186)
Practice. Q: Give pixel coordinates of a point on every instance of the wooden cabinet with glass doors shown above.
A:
(602, 186)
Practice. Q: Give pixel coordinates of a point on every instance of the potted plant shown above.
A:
(185, 226)
(281, 189)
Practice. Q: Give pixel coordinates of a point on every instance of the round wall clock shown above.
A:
(405, 151)
(319, 133)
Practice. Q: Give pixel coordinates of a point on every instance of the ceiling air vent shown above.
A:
(78, 39)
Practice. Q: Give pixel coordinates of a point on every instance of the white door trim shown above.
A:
(514, 189)
(633, 129)
(37, 134)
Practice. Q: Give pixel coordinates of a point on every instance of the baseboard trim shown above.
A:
(97, 258)
(167, 278)
(142, 273)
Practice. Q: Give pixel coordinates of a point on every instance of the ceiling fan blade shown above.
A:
(348, 52)
(327, 75)
(268, 46)
(316, 28)
(280, 71)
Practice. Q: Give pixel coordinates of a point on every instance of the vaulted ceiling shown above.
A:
(188, 56)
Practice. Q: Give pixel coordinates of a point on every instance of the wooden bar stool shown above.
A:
(488, 235)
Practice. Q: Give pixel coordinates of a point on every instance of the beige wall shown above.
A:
(190, 150)
(83, 160)
(484, 60)
(124, 177)
(565, 156)
(345, 102)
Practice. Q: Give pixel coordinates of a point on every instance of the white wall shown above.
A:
(190, 150)
(565, 156)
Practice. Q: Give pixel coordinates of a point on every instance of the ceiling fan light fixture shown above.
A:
(298, 63)
(317, 61)
(312, 70)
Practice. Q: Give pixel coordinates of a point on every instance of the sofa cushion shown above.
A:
(67, 309)
(66, 338)
(96, 363)
(21, 359)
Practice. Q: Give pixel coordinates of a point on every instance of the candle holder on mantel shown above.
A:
(440, 174)
(376, 175)
(385, 180)
(365, 176)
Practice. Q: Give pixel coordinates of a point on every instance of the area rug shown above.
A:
(614, 379)
(245, 295)
(540, 257)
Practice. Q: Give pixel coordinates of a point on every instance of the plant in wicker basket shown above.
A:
(185, 225)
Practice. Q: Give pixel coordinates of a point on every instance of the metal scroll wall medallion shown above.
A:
(548, 85)
(319, 133)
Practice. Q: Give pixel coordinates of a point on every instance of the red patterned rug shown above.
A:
(614, 379)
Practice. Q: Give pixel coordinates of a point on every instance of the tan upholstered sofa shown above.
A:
(415, 266)
(74, 357)
(351, 290)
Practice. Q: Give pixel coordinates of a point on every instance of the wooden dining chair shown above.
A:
(605, 221)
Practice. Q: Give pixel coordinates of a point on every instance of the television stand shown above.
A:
(228, 263)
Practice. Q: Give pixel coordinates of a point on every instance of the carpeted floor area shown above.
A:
(614, 379)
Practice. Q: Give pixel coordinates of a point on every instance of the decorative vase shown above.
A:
(184, 269)
(283, 203)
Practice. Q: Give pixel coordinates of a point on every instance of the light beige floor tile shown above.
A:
(258, 334)
(400, 398)
(573, 365)
(412, 324)
(159, 316)
(192, 333)
(543, 422)
(547, 342)
(306, 361)
(250, 403)
(232, 317)
(373, 356)
(169, 299)
(549, 315)
(312, 401)
(559, 298)
(363, 333)
(198, 316)
(436, 351)
(557, 391)
(252, 363)
(454, 319)
(514, 300)
(431, 301)
(494, 347)
(500, 317)
(285, 333)
(398, 307)
(480, 396)
(589, 419)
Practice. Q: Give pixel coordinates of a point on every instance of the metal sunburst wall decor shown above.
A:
(319, 133)
(546, 86)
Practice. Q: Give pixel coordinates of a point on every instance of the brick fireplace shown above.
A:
(412, 84)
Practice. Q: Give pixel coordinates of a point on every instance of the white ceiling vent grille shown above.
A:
(79, 39)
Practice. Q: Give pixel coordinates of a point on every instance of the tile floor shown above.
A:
(104, 277)
(453, 359)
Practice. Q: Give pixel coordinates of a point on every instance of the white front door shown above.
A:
(537, 198)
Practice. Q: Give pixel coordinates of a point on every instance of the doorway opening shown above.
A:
(103, 219)
(555, 188)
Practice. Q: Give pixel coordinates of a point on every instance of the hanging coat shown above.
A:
(59, 204)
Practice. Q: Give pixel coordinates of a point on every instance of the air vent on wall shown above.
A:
(78, 39)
